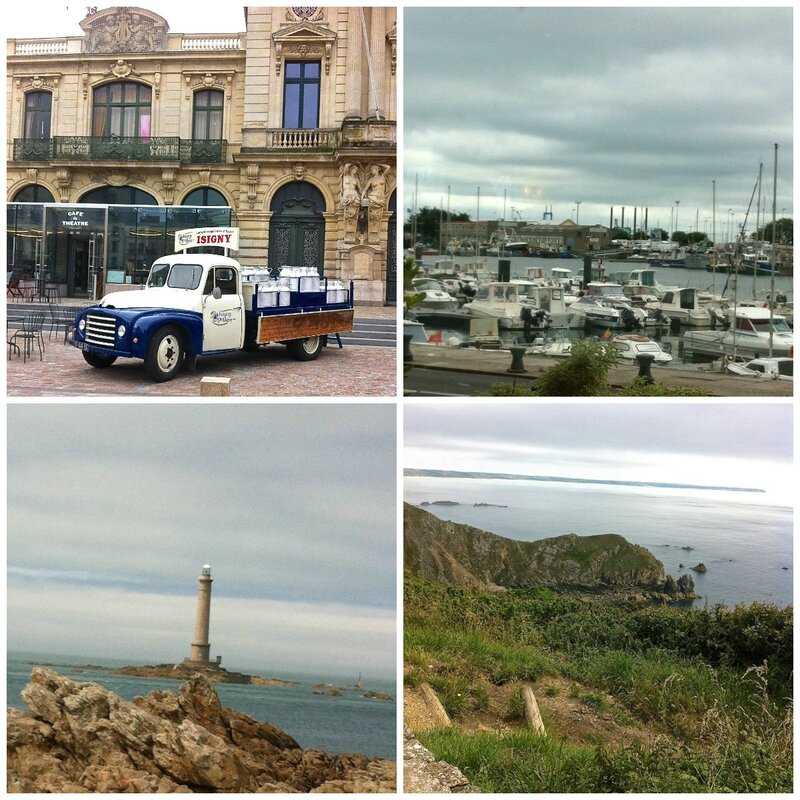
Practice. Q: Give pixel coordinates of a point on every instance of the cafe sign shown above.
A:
(75, 219)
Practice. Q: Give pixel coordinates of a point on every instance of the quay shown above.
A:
(486, 367)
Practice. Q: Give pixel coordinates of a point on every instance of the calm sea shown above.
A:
(745, 543)
(349, 723)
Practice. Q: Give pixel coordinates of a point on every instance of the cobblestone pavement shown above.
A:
(353, 371)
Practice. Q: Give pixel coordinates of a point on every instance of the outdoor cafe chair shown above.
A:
(29, 332)
(12, 286)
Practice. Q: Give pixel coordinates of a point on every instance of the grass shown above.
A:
(713, 686)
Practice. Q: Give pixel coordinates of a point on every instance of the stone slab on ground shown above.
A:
(423, 774)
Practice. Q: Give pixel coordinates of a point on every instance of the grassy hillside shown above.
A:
(681, 700)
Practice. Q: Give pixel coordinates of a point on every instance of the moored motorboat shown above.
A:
(630, 345)
(755, 333)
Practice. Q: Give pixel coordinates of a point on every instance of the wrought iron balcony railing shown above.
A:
(121, 148)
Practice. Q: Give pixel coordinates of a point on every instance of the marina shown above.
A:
(686, 312)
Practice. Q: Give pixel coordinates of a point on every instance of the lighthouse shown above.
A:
(200, 648)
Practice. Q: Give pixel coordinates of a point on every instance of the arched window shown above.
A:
(207, 118)
(121, 109)
(33, 194)
(119, 195)
(204, 197)
(38, 108)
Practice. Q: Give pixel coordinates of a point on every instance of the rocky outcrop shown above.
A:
(80, 737)
(422, 773)
(460, 554)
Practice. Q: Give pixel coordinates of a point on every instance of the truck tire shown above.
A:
(164, 354)
(305, 349)
(98, 360)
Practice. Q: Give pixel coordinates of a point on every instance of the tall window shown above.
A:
(207, 120)
(122, 109)
(37, 115)
(301, 94)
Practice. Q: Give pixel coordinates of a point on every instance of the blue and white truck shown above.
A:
(202, 305)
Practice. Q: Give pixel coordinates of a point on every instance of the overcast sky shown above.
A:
(113, 510)
(710, 444)
(634, 107)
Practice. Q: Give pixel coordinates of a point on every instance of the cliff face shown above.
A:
(466, 556)
(81, 737)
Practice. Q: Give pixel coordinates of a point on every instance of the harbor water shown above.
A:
(744, 539)
(347, 723)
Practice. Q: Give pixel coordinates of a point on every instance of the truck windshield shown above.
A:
(176, 276)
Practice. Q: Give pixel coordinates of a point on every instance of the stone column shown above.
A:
(200, 645)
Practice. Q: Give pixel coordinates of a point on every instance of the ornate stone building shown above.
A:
(119, 137)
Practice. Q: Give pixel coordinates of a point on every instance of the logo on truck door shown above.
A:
(221, 317)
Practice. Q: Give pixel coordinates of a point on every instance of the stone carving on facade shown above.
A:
(124, 30)
(122, 69)
(85, 78)
(310, 13)
(168, 182)
(299, 171)
(391, 37)
(64, 181)
(157, 81)
(33, 174)
(374, 193)
(252, 185)
(350, 201)
(208, 80)
(304, 40)
(118, 177)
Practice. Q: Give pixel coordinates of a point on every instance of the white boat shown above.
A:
(630, 345)
(780, 368)
(435, 297)
(499, 300)
(684, 305)
(753, 335)
(605, 304)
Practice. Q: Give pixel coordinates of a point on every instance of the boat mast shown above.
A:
(761, 243)
(714, 236)
(774, 251)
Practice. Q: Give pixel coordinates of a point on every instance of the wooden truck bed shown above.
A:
(282, 327)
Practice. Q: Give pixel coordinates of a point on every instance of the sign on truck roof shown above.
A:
(202, 237)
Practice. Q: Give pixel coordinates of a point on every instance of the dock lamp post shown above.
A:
(677, 203)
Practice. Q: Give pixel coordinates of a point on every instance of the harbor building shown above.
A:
(199, 654)
(121, 136)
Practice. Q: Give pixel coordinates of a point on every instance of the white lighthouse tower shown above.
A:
(199, 655)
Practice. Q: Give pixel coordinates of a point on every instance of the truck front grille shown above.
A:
(100, 330)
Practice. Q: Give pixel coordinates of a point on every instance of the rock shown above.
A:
(81, 737)
(687, 548)
(686, 585)
(701, 568)
(422, 773)
(681, 566)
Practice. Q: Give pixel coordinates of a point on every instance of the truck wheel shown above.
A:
(98, 360)
(305, 349)
(164, 354)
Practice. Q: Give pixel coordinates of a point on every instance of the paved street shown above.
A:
(353, 371)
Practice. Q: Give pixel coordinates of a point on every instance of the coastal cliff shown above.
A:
(450, 552)
(80, 737)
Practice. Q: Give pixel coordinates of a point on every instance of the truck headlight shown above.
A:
(81, 325)
(121, 331)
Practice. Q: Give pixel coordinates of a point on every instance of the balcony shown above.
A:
(121, 148)
(290, 140)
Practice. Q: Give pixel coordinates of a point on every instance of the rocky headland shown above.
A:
(80, 737)
(450, 552)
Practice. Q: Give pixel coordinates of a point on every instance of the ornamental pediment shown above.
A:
(303, 40)
(124, 29)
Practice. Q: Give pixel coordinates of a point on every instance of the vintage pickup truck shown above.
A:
(201, 304)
